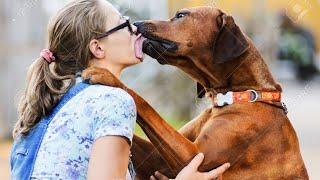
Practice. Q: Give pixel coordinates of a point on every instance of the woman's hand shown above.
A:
(190, 172)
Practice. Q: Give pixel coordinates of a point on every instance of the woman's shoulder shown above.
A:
(107, 92)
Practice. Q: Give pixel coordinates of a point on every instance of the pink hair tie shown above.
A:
(47, 55)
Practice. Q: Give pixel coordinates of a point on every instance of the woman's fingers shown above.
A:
(190, 172)
(160, 176)
(196, 161)
(218, 171)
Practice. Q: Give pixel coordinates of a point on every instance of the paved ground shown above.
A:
(4, 160)
(304, 112)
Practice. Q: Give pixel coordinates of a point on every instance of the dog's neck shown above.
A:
(249, 71)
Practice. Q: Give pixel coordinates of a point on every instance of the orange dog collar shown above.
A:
(245, 96)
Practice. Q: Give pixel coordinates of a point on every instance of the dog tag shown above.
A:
(224, 99)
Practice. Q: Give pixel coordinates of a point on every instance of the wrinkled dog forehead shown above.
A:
(204, 18)
(203, 11)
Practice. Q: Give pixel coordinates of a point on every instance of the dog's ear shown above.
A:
(230, 42)
(200, 90)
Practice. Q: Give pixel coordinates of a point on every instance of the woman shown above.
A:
(71, 130)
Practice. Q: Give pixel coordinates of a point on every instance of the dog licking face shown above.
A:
(196, 40)
(179, 36)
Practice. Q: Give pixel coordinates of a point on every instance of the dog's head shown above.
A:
(196, 40)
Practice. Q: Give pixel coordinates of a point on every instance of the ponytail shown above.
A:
(44, 89)
(69, 33)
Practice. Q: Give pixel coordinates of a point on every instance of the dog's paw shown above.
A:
(95, 75)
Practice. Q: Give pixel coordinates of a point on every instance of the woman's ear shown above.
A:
(96, 49)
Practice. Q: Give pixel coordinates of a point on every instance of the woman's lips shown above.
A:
(138, 47)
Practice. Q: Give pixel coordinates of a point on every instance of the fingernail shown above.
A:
(228, 165)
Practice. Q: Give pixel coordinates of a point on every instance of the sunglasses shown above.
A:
(120, 26)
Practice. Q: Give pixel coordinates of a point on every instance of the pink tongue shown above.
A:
(138, 47)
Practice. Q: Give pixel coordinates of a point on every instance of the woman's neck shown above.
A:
(115, 69)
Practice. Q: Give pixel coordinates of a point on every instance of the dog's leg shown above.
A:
(173, 147)
(147, 160)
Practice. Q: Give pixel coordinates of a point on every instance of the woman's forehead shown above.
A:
(113, 15)
(110, 8)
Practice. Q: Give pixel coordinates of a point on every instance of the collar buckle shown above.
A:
(255, 95)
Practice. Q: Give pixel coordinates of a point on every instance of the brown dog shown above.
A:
(253, 134)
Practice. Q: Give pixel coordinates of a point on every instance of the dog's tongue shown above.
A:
(138, 47)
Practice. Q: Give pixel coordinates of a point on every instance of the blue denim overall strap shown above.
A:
(25, 148)
(131, 169)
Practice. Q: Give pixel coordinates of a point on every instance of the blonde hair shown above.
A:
(70, 32)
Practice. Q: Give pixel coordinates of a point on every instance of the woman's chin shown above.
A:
(138, 60)
(134, 61)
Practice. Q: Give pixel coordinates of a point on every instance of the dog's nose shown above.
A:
(138, 23)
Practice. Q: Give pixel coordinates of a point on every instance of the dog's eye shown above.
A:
(180, 15)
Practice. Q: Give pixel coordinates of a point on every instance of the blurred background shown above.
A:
(287, 33)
